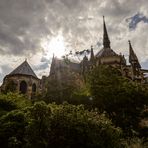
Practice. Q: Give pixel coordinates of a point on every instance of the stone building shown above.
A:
(63, 70)
(22, 80)
(106, 56)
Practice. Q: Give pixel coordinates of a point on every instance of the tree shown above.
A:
(121, 98)
(82, 96)
(19, 100)
(38, 128)
(73, 126)
(12, 120)
(12, 128)
(144, 124)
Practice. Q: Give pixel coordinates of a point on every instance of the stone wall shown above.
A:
(30, 84)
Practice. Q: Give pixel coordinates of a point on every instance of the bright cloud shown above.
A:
(56, 45)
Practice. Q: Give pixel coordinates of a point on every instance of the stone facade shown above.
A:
(22, 80)
(106, 56)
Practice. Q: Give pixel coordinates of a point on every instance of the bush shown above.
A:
(12, 128)
(41, 125)
(18, 100)
(73, 126)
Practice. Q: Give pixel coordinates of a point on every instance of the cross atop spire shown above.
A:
(106, 41)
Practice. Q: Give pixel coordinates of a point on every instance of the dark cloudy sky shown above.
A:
(31, 28)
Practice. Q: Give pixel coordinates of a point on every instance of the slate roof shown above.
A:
(60, 63)
(105, 52)
(23, 69)
(75, 66)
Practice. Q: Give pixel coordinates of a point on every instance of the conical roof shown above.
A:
(23, 69)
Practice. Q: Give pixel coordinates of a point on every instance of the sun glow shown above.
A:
(55, 45)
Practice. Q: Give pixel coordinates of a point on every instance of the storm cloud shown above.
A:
(24, 24)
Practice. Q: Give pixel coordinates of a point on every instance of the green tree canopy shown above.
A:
(121, 98)
(41, 125)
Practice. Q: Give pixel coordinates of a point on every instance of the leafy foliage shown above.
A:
(35, 124)
(73, 126)
(19, 100)
(41, 125)
(12, 127)
(121, 99)
(38, 128)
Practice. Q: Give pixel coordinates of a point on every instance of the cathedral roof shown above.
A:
(106, 52)
(75, 66)
(23, 69)
(63, 63)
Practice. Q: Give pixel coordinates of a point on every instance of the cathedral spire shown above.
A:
(106, 41)
(131, 52)
(52, 67)
(132, 57)
(92, 57)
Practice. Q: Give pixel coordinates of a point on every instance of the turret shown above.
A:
(135, 65)
(132, 57)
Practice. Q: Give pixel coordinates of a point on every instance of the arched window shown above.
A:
(34, 87)
(23, 87)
